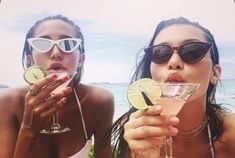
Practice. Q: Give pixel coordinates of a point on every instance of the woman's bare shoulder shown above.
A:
(98, 94)
(100, 104)
(11, 98)
(100, 101)
(228, 137)
(229, 120)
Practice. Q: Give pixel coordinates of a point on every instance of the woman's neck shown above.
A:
(192, 114)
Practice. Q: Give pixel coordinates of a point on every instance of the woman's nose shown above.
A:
(56, 53)
(175, 61)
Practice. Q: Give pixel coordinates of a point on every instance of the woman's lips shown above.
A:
(174, 77)
(56, 67)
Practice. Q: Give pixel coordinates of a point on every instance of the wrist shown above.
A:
(27, 132)
(28, 120)
(26, 143)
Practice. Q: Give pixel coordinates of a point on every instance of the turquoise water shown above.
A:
(225, 94)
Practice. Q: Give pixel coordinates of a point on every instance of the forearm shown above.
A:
(26, 145)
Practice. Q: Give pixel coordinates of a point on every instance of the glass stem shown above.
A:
(55, 125)
(168, 147)
(54, 119)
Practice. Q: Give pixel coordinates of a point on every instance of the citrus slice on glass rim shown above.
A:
(33, 74)
(140, 89)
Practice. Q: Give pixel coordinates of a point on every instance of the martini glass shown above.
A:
(56, 128)
(172, 99)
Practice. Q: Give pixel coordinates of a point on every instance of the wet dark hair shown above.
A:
(213, 110)
(28, 51)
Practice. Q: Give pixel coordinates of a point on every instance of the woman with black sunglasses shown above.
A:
(179, 51)
(55, 44)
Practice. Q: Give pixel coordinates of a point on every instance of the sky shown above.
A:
(114, 31)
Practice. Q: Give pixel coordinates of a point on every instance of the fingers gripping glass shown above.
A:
(44, 45)
(189, 52)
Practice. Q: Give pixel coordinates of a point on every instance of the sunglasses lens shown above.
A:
(193, 52)
(68, 45)
(190, 52)
(41, 45)
(160, 54)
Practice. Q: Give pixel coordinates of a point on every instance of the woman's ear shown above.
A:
(30, 61)
(215, 75)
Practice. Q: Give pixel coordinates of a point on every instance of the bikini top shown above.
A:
(84, 152)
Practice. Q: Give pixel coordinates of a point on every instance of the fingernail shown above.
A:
(174, 120)
(54, 76)
(158, 108)
(173, 131)
(69, 89)
(65, 78)
(64, 100)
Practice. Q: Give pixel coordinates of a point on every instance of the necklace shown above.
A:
(194, 132)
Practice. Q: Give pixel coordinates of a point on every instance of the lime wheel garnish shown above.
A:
(34, 74)
(143, 93)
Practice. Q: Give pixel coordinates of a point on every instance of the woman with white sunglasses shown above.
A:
(55, 44)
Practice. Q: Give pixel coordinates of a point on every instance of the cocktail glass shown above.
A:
(56, 128)
(172, 99)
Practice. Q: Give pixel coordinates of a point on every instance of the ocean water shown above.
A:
(225, 95)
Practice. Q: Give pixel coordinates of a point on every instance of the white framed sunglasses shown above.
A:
(44, 45)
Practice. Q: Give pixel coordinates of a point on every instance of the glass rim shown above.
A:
(172, 84)
(69, 73)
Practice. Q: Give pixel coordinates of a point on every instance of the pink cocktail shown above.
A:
(171, 106)
(172, 99)
(174, 96)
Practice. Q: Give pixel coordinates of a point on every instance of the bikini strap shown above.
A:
(80, 110)
(213, 155)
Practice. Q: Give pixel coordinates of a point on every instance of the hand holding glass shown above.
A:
(56, 127)
(171, 96)
(35, 73)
